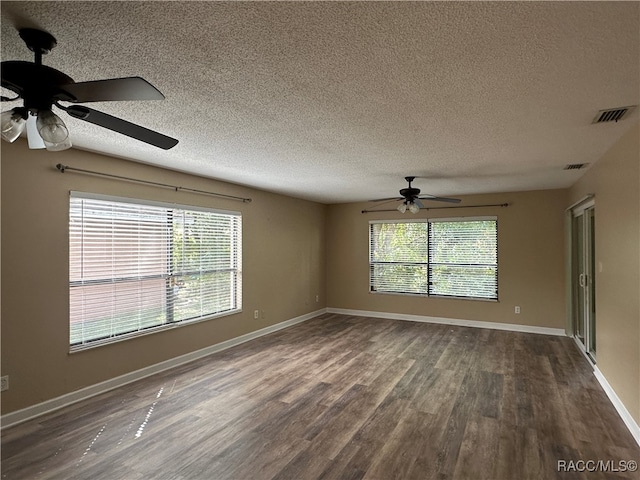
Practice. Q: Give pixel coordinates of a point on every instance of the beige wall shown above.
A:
(615, 181)
(530, 261)
(283, 270)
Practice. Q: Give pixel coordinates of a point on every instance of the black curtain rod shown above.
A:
(62, 168)
(441, 208)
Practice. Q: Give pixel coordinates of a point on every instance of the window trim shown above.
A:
(493, 218)
(73, 348)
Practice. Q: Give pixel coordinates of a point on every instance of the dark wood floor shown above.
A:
(341, 397)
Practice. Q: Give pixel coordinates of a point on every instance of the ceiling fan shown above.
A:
(41, 87)
(411, 198)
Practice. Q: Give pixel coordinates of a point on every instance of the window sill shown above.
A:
(447, 297)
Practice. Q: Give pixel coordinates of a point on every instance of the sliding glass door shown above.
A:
(583, 280)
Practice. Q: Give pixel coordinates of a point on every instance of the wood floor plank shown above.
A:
(529, 464)
(402, 447)
(479, 448)
(343, 467)
(508, 402)
(341, 397)
(460, 352)
(453, 435)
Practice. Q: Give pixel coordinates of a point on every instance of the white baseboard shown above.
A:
(451, 321)
(619, 406)
(47, 406)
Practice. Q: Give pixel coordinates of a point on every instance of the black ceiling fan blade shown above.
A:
(439, 199)
(121, 126)
(110, 90)
(386, 199)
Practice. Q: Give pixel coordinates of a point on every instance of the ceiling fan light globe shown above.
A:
(57, 147)
(51, 127)
(12, 124)
(413, 208)
(402, 208)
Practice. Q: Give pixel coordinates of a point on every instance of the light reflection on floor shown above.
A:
(91, 444)
(148, 416)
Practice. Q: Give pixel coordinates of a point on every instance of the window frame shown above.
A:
(428, 265)
(235, 244)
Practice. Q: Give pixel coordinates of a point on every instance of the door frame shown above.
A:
(577, 209)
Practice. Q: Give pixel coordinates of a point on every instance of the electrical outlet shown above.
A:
(517, 309)
(4, 383)
(317, 298)
(256, 314)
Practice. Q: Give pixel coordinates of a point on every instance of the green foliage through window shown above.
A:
(453, 258)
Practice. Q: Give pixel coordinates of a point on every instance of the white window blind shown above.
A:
(440, 257)
(136, 266)
(399, 257)
(463, 258)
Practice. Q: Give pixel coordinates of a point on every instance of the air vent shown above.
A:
(612, 114)
(575, 166)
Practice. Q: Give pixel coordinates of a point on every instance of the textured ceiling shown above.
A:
(337, 102)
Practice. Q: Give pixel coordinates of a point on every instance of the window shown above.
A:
(463, 258)
(439, 257)
(136, 266)
(399, 257)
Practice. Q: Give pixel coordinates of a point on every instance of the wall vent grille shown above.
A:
(575, 166)
(612, 114)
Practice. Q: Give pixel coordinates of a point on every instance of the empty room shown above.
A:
(320, 240)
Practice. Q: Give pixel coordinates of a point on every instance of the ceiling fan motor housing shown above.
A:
(36, 84)
(410, 193)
